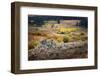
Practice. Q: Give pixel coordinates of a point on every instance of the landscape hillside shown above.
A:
(63, 39)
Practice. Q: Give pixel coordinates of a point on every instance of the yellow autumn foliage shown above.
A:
(67, 29)
(59, 39)
(33, 44)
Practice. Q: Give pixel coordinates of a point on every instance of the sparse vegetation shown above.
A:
(32, 44)
(59, 39)
(66, 39)
(52, 41)
(65, 30)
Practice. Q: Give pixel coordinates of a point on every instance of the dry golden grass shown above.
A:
(65, 35)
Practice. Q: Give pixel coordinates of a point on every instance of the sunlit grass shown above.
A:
(61, 35)
(67, 29)
(33, 44)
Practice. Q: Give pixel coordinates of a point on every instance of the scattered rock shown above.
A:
(48, 49)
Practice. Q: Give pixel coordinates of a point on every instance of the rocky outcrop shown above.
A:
(49, 49)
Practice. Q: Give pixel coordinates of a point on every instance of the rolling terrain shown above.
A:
(55, 41)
